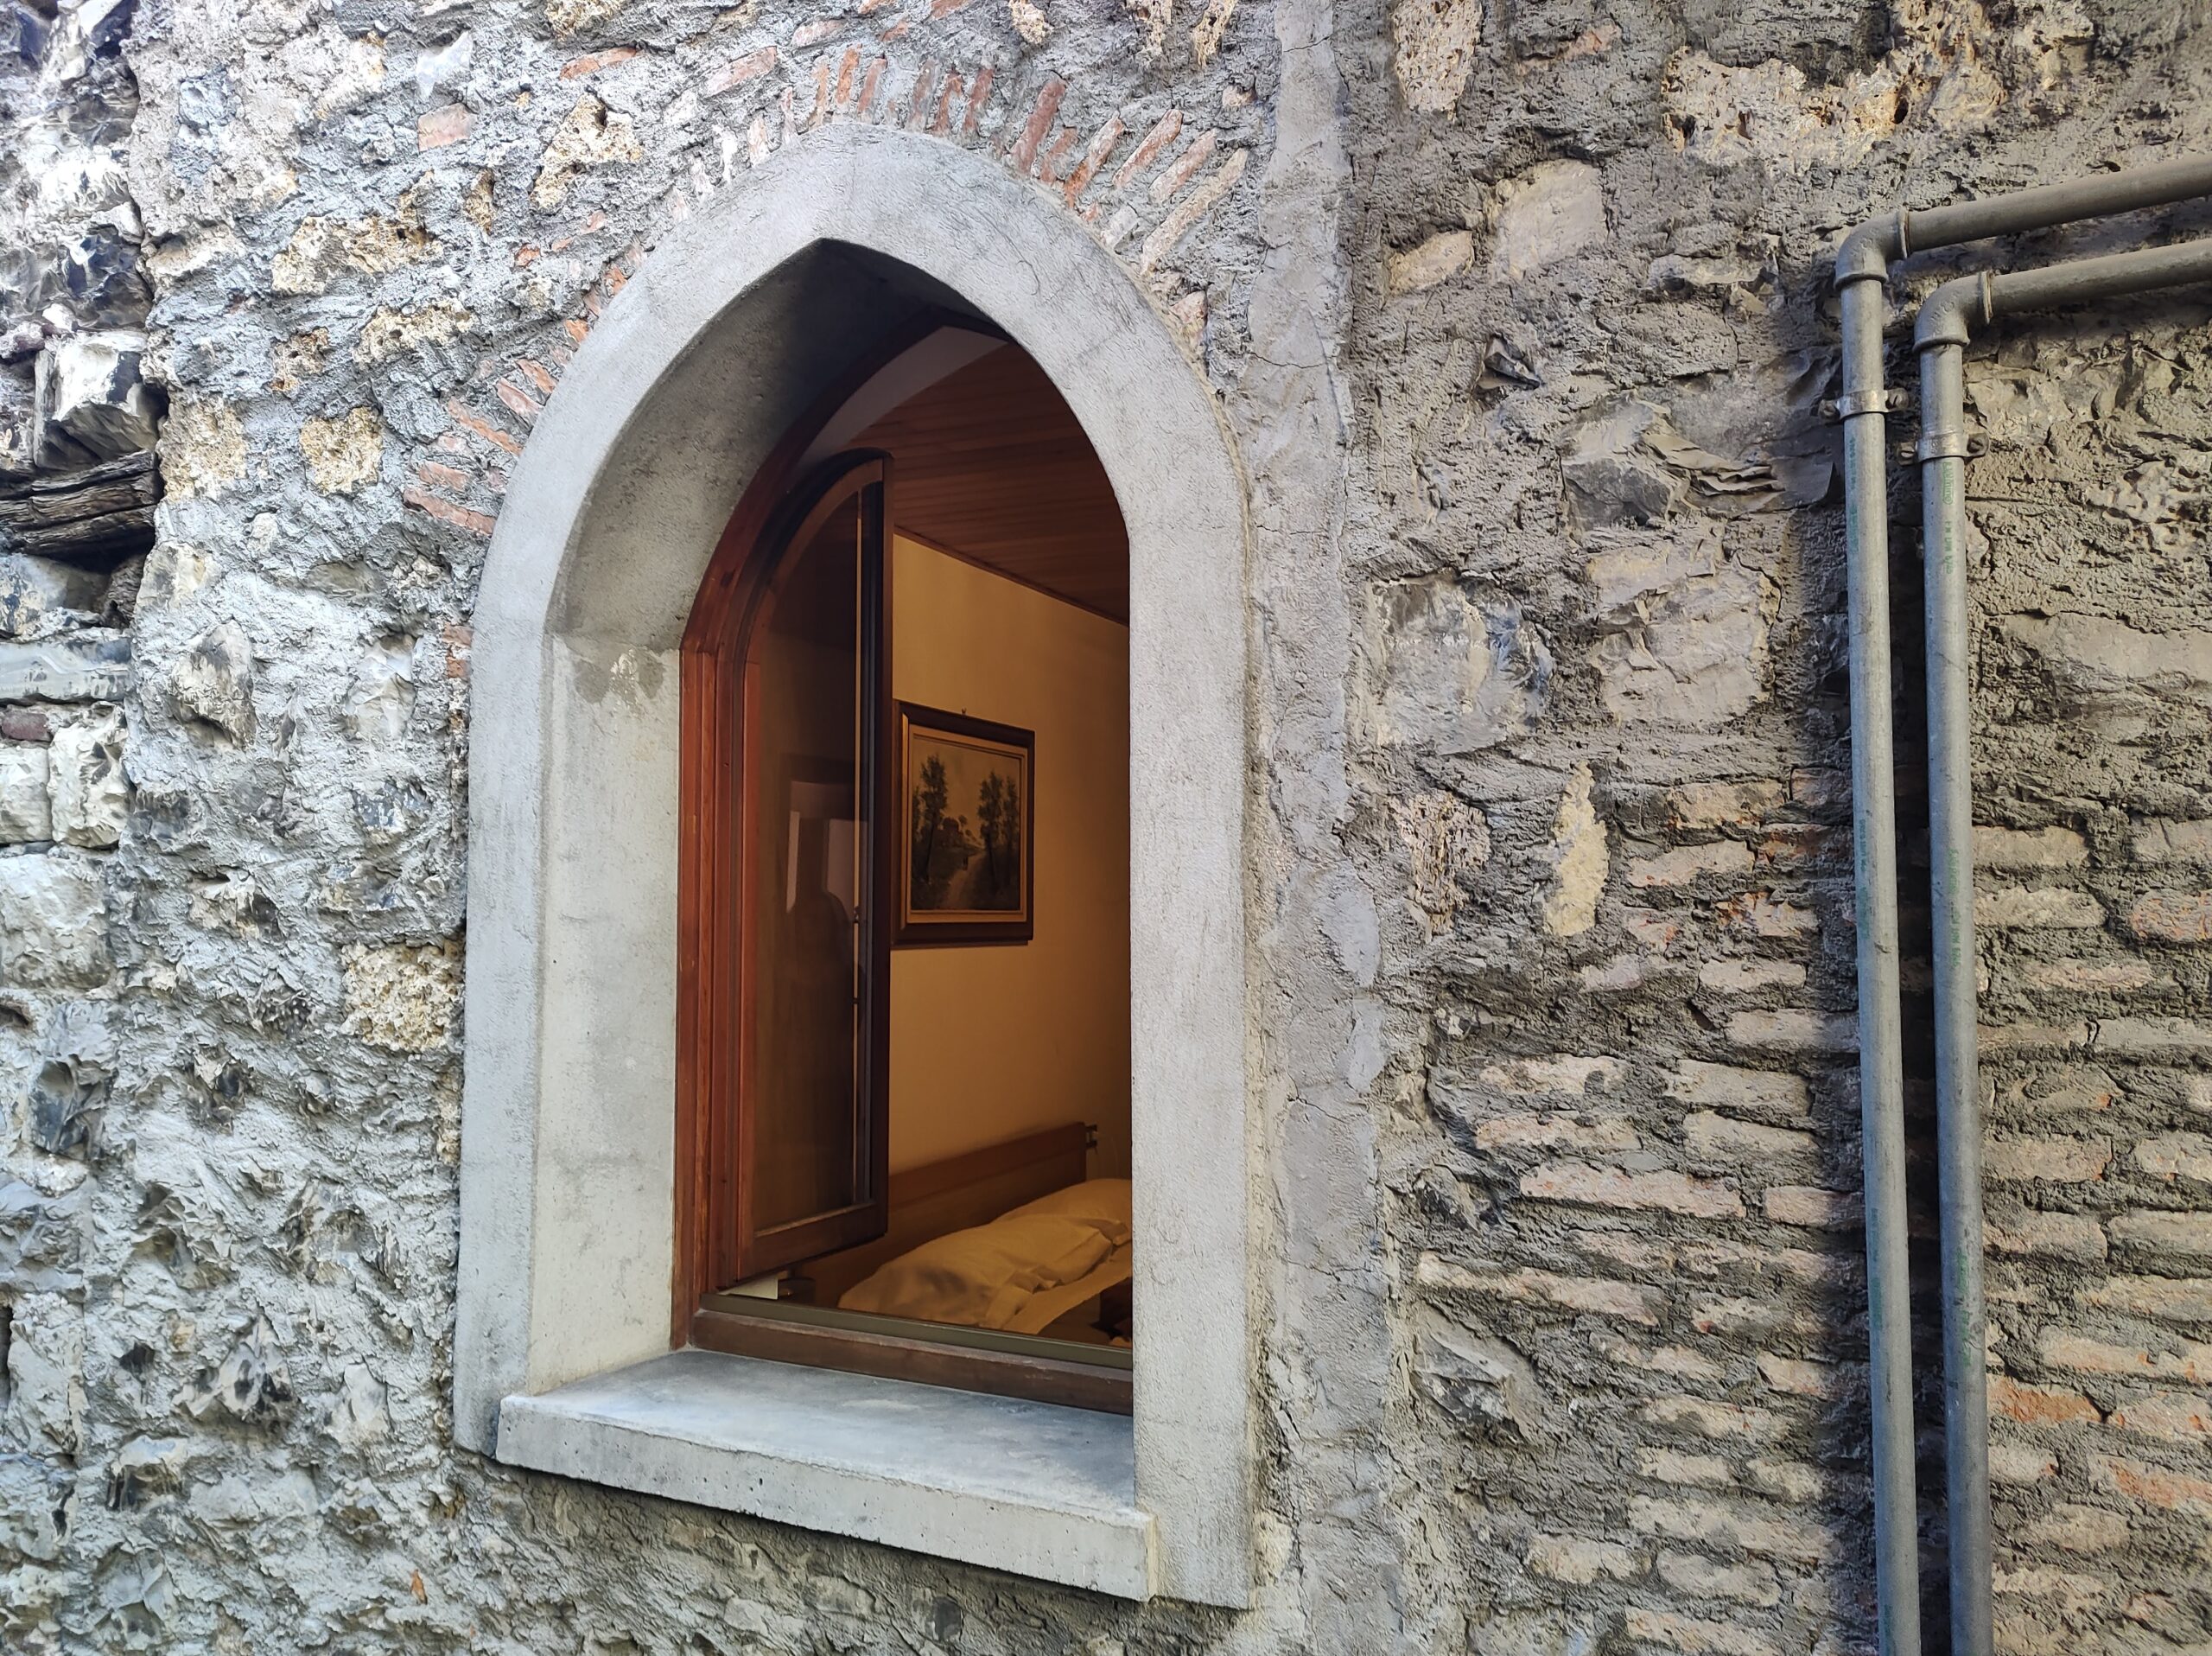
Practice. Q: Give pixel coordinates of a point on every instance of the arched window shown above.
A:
(698, 402)
(914, 1166)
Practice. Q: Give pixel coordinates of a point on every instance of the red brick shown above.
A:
(820, 30)
(1685, 863)
(517, 398)
(871, 84)
(1023, 154)
(2038, 1405)
(924, 84)
(941, 122)
(445, 477)
(1094, 157)
(1724, 805)
(441, 127)
(537, 374)
(1049, 168)
(977, 99)
(476, 523)
(1195, 156)
(483, 427)
(576, 68)
(1148, 148)
(738, 71)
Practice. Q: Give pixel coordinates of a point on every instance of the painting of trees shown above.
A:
(966, 870)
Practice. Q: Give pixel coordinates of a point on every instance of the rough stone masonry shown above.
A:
(1518, 312)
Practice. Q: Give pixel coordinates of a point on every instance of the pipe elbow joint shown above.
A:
(1868, 251)
(1950, 313)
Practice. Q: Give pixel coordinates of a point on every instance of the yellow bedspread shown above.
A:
(1020, 1272)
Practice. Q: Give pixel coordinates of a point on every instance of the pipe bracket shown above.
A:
(1872, 399)
(1946, 445)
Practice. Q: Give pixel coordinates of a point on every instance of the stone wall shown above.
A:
(1519, 313)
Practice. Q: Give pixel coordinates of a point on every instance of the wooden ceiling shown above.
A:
(989, 463)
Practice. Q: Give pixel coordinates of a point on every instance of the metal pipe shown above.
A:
(1941, 337)
(1862, 267)
(1881, 1033)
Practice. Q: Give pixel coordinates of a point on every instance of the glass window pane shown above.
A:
(803, 890)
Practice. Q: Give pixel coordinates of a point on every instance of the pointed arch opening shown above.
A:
(704, 382)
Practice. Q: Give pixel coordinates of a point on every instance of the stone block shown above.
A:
(1687, 863)
(2176, 1156)
(1595, 1187)
(53, 922)
(32, 589)
(2172, 917)
(1449, 671)
(2045, 1161)
(2019, 907)
(1726, 1086)
(86, 782)
(45, 1398)
(2043, 848)
(213, 682)
(25, 813)
(1555, 210)
(91, 403)
(2168, 1299)
(2186, 1237)
(82, 668)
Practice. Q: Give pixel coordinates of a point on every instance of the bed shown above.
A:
(1013, 1237)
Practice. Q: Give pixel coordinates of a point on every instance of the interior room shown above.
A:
(1005, 1220)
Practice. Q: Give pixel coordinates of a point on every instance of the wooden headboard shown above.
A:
(960, 1191)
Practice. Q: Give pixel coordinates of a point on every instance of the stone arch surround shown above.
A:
(689, 379)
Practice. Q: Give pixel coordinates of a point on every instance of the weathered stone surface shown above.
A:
(25, 810)
(92, 403)
(213, 682)
(85, 667)
(403, 999)
(346, 453)
(53, 928)
(1579, 860)
(1449, 672)
(1436, 41)
(1550, 213)
(32, 591)
(90, 796)
(1686, 638)
(590, 136)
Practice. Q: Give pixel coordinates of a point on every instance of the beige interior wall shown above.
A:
(991, 1041)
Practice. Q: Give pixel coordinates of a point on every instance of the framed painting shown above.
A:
(967, 802)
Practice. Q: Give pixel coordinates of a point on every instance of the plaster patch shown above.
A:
(345, 453)
(590, 136)
(203, 448)
(1579, 860)
(1549, 213)
(1436, 41)
(403, 998)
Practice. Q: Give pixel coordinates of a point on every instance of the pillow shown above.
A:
(1101, 1202)
(982, 1277)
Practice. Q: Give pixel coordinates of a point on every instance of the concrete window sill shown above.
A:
(1029, 1487)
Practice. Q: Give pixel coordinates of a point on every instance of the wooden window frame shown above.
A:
(776, 512)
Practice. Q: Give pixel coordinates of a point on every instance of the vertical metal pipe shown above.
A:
(1940, 335)
(1958, 1090)
(1881, 1060)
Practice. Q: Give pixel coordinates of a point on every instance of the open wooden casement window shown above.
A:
(790, 1013)
(790, 841)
